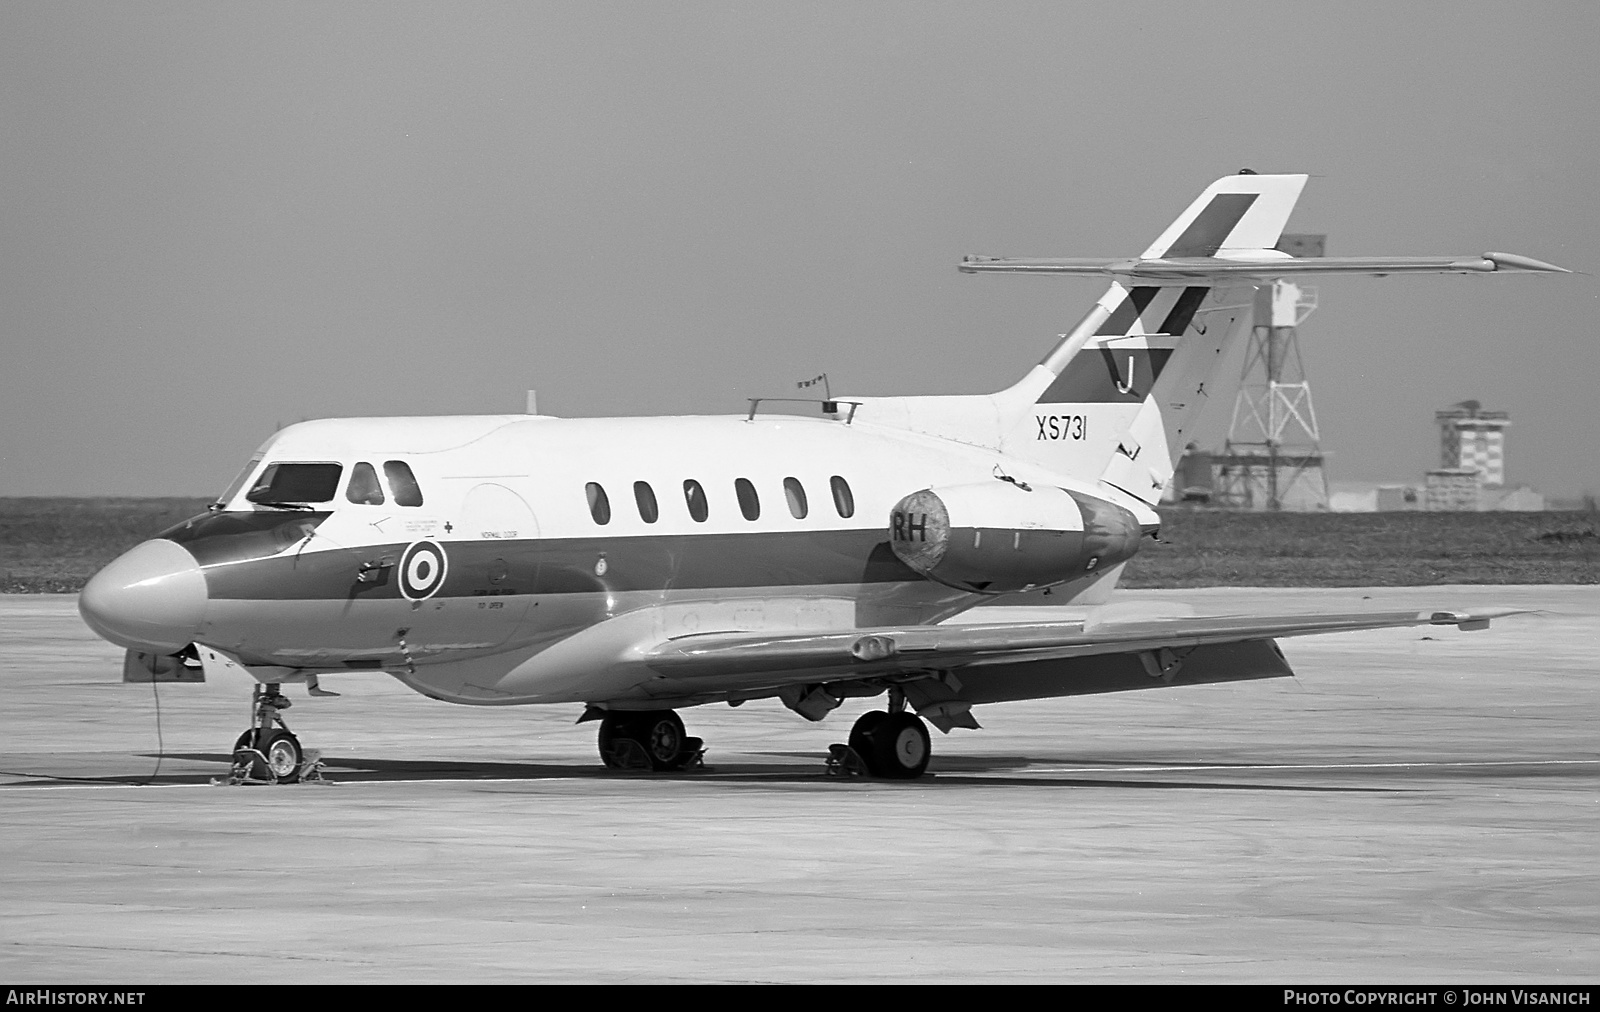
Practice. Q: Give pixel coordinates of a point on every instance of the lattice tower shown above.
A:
(1273, 459)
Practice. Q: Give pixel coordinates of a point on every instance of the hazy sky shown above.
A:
(223, 216)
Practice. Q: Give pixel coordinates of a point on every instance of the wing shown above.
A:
(914, 649)
(1257, 264)
(944, 670)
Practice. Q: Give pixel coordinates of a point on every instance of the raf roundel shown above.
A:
(422, 569)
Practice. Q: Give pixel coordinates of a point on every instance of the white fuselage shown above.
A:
(521, 593)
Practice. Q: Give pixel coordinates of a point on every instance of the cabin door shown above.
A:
(490, 560)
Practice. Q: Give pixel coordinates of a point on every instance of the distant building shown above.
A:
(1470, 477)
(1394, 498)
(1453, 490)
(1472, 459)
(1470, 437)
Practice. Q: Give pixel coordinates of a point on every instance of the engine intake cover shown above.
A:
(1002, 537)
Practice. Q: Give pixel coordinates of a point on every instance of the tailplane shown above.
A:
(1120, 393)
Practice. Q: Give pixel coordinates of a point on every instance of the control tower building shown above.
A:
(1470, 437)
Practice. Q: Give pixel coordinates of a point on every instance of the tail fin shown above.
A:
(1117, 396)
(1236, 214)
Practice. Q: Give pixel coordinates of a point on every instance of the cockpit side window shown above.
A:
(364, 488)
(402, 483)
(296, 483)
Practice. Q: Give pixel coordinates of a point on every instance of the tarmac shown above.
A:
(1416, 806)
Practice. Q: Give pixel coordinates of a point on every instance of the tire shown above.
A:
(283, 753)
(662, 735)
(861, 737)
(659, 733)
(612, 727)
(900, 747)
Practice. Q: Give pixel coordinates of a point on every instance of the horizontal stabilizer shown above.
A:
(1254, 264)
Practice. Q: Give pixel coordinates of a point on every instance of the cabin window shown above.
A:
(843, 500)
(402, 483)
(364, 488)
(695, 497)
(749, 502)
(599, 504)
(796, 494)
(645, 497)
(296, 483)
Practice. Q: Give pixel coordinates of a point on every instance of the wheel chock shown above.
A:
(695, 749)
(629, 755)
(246, 759)
(844, 762)
(311, 768)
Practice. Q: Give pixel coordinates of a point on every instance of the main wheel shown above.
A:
(659, 733)
(662, 735)
(897, 745)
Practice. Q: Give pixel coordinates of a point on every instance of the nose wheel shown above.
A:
(269, 752)
(275, 758)
(653, 740)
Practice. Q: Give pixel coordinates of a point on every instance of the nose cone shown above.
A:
(151, 598)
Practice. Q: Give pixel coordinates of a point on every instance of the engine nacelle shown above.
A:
(1002, 537)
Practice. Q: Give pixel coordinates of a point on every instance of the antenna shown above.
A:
(827, 391)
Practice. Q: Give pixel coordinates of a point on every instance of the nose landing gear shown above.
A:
(269, 753)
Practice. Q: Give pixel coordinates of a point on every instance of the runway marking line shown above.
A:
(1263, 767)
(1075, 770)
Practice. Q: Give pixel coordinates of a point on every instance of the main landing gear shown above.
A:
(648, 740)
(889, 744)
(269, 752)
(892, 745)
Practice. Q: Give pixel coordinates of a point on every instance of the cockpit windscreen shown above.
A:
(237, 485)
(295, 483)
